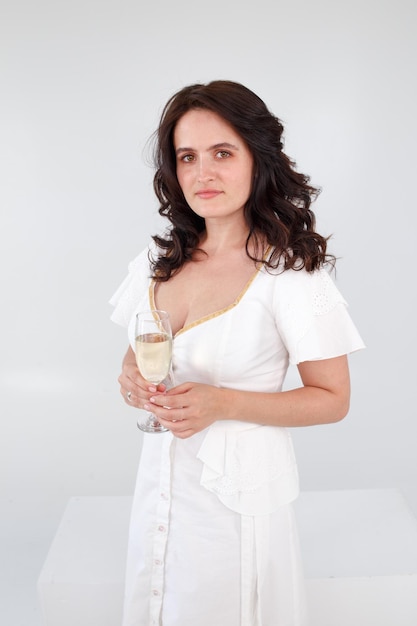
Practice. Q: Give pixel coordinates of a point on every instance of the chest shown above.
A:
(201, 289)
(239, 346)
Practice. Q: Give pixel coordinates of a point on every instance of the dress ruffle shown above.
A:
(251, 468)
(132, 290)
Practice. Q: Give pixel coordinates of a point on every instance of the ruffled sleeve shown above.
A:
(134, 287)
(312, 317)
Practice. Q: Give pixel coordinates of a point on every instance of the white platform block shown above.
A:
(359, 549)
(360, 556)
(82, 580)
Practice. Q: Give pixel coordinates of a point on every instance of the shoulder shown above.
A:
(298, 288)
(311, 316)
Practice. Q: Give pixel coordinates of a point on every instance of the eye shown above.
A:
(187, 158)
(223, 154)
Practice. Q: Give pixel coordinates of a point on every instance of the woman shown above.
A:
(241, 273)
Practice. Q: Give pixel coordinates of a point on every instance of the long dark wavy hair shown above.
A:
(278, 209)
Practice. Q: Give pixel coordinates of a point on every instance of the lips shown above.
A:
(207, 194)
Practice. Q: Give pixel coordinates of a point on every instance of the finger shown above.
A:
(167, 401)
(131, 398)
(179, 389)
(131, 377)
(166, 413)
(128, 396)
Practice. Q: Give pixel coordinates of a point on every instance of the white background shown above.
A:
(83, 84)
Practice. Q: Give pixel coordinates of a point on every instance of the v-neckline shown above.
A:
(209, 316)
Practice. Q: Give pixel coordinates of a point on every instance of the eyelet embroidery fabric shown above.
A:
(245, 464)
(302, 306)
(325, 297)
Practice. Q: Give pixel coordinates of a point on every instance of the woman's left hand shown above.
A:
(188, 408)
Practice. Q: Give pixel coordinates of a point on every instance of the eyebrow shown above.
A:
(216, 146)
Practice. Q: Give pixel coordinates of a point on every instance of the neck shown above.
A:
(220, 238)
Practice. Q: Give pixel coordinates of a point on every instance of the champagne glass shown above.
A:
(153, 347)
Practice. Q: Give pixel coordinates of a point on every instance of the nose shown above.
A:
(205, 169)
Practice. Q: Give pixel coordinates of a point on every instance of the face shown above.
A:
(214, 165)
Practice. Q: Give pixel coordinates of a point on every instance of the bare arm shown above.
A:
(323, 398)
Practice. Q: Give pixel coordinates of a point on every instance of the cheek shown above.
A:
(244, 183)
(182, 179)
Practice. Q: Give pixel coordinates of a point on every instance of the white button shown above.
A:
(161, 529)
(155, 592)
(158, 562)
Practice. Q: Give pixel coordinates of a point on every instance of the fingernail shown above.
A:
(152, 389)
(151, 399)
(146, 407)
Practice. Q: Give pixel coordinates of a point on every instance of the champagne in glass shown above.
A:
(153, 348)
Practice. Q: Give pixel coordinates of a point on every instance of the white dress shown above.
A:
(213, 540)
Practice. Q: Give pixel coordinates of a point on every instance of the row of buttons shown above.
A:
(161, 533)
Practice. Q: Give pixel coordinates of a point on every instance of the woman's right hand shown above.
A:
(136, 391)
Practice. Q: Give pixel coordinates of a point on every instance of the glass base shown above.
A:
(150, 424)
